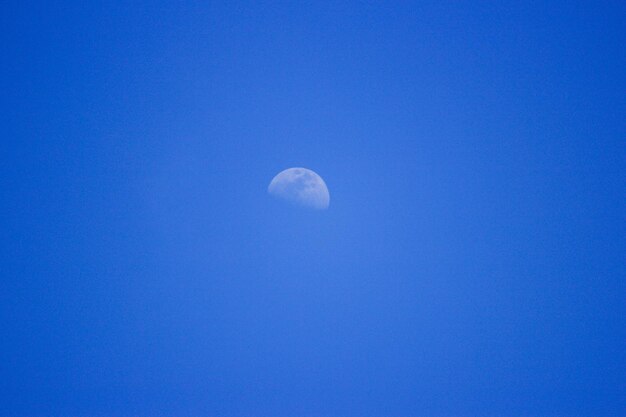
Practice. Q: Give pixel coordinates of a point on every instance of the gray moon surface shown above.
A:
(302, 187)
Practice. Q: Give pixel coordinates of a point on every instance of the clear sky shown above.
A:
(471, 262)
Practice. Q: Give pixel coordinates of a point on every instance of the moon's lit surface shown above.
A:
(302, 187)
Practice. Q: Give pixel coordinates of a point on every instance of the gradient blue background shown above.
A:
(471, 262)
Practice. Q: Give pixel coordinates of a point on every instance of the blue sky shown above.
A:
(471, 262)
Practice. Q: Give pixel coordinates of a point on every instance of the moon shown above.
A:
(302, 187)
